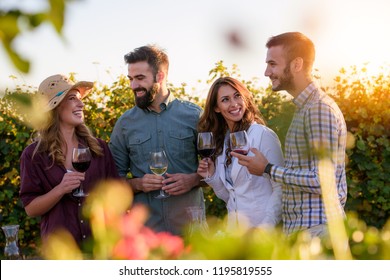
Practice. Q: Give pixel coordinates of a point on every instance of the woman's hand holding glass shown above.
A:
(206, 146)
(206, 168)
(71, 181)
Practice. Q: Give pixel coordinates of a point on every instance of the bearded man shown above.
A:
(159, 121)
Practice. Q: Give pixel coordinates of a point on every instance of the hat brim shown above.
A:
(83, 87)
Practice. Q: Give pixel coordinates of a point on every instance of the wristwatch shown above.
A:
(267, 169)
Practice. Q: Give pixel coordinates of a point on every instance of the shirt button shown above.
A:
(79, 204)
(84, 236)
(81, 221)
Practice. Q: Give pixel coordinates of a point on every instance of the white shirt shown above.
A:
(251, 200)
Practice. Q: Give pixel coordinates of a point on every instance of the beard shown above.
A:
(147, 99)
(285, 81)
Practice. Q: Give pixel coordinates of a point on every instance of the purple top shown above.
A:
(37, 179)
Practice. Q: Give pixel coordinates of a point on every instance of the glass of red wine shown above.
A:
(206, 145)
(239, 142)
(81, 159)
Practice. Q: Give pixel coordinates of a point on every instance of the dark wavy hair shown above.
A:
(214, 122)
(152, 54)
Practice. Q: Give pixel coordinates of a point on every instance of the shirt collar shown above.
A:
(167, 101)
(302, 98)
(164, 105)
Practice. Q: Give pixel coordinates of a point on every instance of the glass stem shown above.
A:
(207, 172)
(81, 188)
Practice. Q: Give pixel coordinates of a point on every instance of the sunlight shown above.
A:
(355, 35)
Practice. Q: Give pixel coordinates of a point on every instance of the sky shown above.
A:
(197, 34)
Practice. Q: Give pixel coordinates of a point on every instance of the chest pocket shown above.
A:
(181, 143)
(139, 148)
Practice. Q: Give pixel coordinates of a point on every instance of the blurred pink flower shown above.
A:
(140, 242)
(131, 248)
(133, 221)
(171, 246)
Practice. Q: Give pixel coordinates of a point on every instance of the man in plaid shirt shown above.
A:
(318, 126)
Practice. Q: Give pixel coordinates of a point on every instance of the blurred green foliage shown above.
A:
(365, 243)
(364, 102)
(15, 21)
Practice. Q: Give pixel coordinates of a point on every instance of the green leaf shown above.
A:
(20, 63)
(57, 14)
(361, 145)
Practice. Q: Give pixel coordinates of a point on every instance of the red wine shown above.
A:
(240, 151)
(81, 166)
(205, 153)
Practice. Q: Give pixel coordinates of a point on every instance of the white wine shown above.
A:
(158, 170)
(159, 165)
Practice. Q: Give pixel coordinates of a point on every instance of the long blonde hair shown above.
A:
(50, 139)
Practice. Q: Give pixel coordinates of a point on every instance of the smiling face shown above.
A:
(143, 83)
(70, 110)
(278, 70)
(230, 105)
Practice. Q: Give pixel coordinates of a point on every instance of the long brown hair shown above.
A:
(215, 123)
(50, 139)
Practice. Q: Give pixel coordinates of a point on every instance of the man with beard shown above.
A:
(317, 131)
(158, 121)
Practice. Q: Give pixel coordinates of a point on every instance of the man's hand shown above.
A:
(255, 164)
(148, 183)
(179, 183)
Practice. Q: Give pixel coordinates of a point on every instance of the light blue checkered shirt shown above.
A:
(318, 122)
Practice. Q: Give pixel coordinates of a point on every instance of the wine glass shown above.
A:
(11, 249)
(197, 221)
(239, 142)
(206, 145)
(81, 159)
(158, 165)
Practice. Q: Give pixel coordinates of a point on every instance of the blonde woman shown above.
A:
(47, 175)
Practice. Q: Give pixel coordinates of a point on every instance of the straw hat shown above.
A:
(55, 88)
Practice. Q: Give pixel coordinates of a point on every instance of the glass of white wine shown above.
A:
(158, 165)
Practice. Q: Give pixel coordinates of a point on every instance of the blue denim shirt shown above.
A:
(138, 132)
